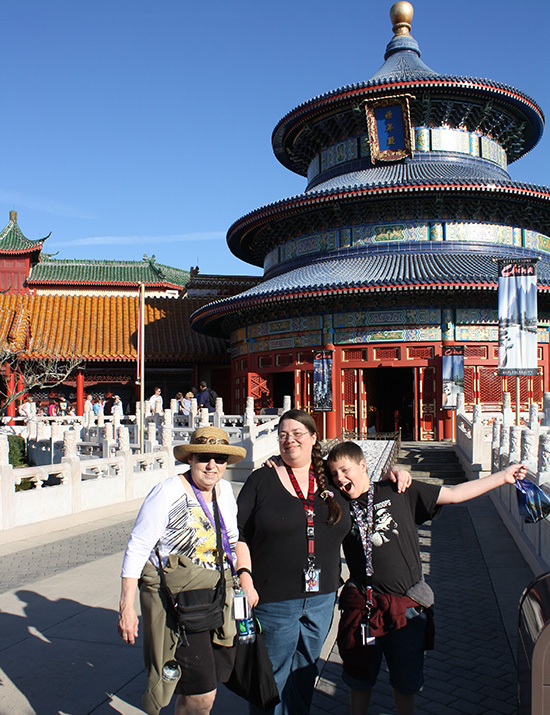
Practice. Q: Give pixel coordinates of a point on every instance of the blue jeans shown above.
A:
(294, 633)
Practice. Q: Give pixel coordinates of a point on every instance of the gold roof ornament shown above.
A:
(401, 15)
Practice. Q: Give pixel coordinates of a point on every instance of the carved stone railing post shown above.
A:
(546, 408)
(507, 413)
(4, 450)
(544, 458)
(504, 446)
(123, 439)
(495, 446)
(193, 411)
(533, 416)
(204, 420)
(514, 453)
(218, 414)
(477, 413)
(70, 439)
(287, 403)
(529, 448)
(460, 410)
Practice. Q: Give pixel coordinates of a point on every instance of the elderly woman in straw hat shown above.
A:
(176, 523)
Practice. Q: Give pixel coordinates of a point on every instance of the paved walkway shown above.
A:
(60, 654)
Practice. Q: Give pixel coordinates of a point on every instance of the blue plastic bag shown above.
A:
(533, 502)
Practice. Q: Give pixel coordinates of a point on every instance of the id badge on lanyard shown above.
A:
(312, 574)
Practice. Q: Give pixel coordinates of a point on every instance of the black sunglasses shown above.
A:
(205, 458)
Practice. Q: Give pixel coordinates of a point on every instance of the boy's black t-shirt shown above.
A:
(395, 546)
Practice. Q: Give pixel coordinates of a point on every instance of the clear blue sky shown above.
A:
(144, 126)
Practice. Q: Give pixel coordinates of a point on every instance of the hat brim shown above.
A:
(234, 454)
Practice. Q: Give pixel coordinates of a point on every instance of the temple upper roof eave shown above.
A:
(350, 97)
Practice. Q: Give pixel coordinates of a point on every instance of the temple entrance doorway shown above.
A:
(283, 384)
(390, 397)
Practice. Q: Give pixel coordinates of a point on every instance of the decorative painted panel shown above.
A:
(372, 234)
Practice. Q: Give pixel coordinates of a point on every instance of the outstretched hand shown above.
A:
(513, 472)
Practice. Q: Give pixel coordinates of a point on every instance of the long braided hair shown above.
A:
(305, 419)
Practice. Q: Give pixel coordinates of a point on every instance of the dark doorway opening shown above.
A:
(283, 384)
(390, 399)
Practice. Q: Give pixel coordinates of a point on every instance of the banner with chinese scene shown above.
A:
(322, 381)
(517, 317)
(453, 375)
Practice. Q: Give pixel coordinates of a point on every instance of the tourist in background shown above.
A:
(118, 407)
(155, 402)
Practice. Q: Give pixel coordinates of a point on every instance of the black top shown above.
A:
(273, 524)
(395, 547)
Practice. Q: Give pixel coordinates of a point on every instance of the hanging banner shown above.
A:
(453, 375)
(322, 381)
(517, 317)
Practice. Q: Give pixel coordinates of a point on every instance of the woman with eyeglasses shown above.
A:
(177, 523)
(291, 526)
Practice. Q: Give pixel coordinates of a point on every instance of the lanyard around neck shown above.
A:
(365, 530)
(307, 503)
(217, 512)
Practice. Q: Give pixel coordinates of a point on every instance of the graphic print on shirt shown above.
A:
(385, 526)
(189, 533)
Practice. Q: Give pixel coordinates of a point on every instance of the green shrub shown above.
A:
(18, 455)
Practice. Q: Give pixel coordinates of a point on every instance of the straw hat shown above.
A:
(210, 440)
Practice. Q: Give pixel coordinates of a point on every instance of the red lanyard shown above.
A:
(308, 509)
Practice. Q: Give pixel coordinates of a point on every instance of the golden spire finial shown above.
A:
(401, 15)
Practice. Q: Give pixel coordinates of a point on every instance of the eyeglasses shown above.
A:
(298, 436)
(205, 458)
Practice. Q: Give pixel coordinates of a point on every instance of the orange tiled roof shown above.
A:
(101, 327)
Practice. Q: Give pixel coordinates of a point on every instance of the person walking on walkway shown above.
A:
(177, 524)
(386, 604)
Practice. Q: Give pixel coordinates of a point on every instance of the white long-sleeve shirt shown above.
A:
(174, 521)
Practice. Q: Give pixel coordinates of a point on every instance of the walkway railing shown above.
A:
(488, 442)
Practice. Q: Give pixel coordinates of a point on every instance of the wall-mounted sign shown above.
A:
(389, 127)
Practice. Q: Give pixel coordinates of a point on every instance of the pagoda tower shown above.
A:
(390, 255)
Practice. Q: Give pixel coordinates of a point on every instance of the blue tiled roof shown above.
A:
(403, 61)
(432, 167)
(410, 265)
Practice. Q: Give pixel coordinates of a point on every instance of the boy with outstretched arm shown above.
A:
(386, 604)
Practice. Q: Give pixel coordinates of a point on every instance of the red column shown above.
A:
(332, 421)
(79, 392)
(10, 390)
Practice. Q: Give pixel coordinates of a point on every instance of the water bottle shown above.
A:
(246, 629)
(170, 671)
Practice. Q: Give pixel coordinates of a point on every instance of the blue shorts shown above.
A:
(404, 653)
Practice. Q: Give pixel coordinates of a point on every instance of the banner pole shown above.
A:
(517, 401)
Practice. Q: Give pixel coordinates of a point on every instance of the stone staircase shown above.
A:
(432, 462)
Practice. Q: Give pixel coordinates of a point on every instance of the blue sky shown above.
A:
(133, 126)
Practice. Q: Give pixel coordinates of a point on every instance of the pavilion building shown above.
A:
(390, 254)
(88, 310)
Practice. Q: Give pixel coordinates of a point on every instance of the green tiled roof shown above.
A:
(12, 239)
(78, 272)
